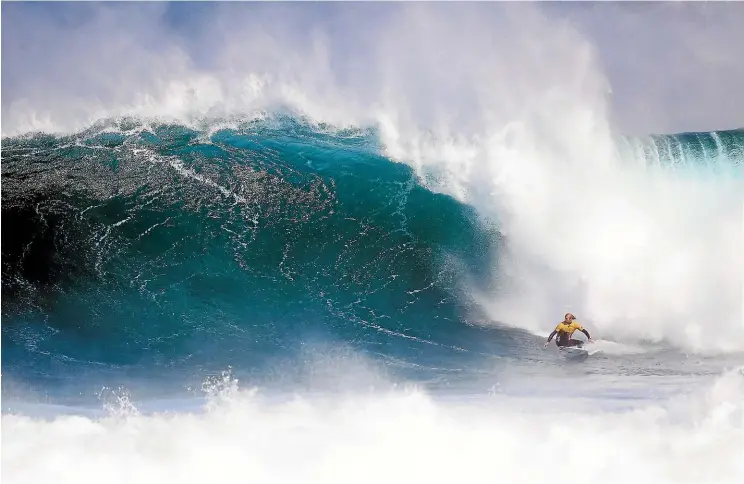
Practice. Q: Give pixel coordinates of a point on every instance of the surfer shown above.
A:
(565, 329)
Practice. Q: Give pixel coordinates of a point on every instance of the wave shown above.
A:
(371, 215)
(158, 244)
(193, 201)
(152, 244)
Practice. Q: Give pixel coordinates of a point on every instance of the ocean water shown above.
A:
(296, 283)
(181, 302)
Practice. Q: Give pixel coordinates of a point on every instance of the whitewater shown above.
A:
(326, 243)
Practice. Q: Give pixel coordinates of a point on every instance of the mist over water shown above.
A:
(326, 243)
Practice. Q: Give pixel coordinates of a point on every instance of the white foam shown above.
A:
(614, 348)
(400, 436)
(637, 252)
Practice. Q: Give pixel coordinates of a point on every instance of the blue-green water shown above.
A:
(169, 250)
(166, 253)
(154, 276)
(203, 282)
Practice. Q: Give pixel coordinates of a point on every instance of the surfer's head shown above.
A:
(569, 317)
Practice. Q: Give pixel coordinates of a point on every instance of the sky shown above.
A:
(670, 67)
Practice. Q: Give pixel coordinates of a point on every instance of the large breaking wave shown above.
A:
(165, 245)
(269, 203)
(152, 244)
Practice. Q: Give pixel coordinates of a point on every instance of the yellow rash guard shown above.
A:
(568, 328)
(565, 330)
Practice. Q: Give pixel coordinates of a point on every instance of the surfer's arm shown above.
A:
(586, 333)
(551, 336)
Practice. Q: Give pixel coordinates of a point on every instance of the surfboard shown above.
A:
(573, 353)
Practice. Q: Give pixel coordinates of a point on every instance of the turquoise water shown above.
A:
(161, 253)
(167, 249)
(280, 299)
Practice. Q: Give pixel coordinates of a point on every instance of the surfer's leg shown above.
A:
(575, 342)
